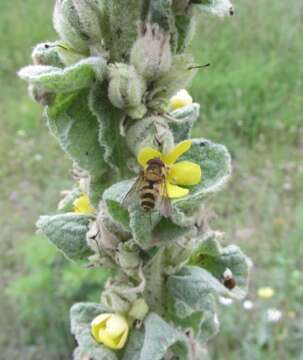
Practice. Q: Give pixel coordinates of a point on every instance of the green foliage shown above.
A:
(182, 121)
(251, 90)
(209, 255)
(159, 337)
(215, 163)
(73, 78)
(91, 120)
(268, 102)
(78, 136)
(122, 28)
(109, 119)
(45, 291)
(68, 233)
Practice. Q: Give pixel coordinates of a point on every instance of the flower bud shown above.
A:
(126, 88)
(151, 53)
(110, 330)
(46, 54)
(180, 100)
(74, 25)
(139, 309)
(114, 301)
(89, 22)
(127, 257)
(151, 131)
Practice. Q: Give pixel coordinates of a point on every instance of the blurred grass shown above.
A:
(251, 100)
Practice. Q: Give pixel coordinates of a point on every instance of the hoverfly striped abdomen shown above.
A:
(148, 195)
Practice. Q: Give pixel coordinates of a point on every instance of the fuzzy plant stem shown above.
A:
(113, 91)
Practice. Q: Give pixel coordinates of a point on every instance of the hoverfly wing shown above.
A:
(164, 203)
(132, 193)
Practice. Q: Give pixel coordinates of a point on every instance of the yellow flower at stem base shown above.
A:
(82, 205)
(180, 100)
(184, 173)
(110, 330)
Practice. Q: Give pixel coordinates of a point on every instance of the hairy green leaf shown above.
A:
(68, 233)
(191, 294)
(210, 255)
(215, 163)
(123, 16)
(76, 128)
(159, 338)
(109, 118)
(181, 121)
(72, 78)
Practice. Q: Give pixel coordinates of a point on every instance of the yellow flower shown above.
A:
(266, 292)
(181, 173)
(181, 99)
(110, 330)
(82, 205)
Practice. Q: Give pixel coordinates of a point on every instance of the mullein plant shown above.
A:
(113, 91)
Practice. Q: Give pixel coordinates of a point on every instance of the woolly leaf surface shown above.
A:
(215, 163)
(109, 119)
(210, 255)
(76, 128)
(182, 120)
(74, 77)
(191, 295)
(68, 233)
(159, 338)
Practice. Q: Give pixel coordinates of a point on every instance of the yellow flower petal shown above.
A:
(181, 99)
(185, 173)
(99, 323)
(106, 340)
(82, 205)
(110, 330)
(178, 151)
(174, 191)
(116, 325)
(147, 154)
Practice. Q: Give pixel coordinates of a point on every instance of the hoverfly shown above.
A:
(151, 188)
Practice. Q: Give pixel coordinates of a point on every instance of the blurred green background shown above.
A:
(252, 101)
